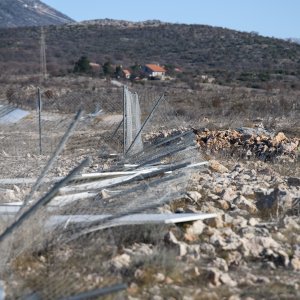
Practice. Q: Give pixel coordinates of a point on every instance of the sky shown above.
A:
(276, 18)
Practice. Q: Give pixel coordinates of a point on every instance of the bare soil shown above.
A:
(251, 251)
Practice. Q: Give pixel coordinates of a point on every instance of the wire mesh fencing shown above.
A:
(132, 122)
(75, 212)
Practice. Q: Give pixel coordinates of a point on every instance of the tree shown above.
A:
(118, 72)
(170, 69)
(82, 65)
(108, 70)
(136, 70)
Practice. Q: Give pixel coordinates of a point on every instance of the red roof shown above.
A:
(94, 65)
(155, 68)
(127, 72)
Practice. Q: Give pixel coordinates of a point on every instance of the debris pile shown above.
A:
(249, 143)
(252, 245)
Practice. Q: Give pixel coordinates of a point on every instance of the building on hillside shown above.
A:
(95, 67)
(154, 71)
(126, 73)
(178, 70)
(207, 79)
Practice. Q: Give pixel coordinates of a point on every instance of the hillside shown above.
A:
(294, 40)
(230, 56)
(17, 13)
(221, 157)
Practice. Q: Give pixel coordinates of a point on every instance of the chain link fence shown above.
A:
(90, 190)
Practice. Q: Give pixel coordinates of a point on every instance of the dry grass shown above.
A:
(72, 268)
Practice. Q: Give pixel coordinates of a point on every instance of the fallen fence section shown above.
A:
(10, 114)
(98, 292)
(135, 219)
(66, 215)
(41, 202)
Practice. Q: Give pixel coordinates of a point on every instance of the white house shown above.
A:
(95, 67)
(126, 74)
(152, 70)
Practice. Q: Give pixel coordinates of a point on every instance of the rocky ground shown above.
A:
(249, 143)
(251, 251)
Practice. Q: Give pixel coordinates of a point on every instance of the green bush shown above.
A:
(82, 65)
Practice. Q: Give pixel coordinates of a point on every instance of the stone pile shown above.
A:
(252, 246)
(252, 189)
(249, 143)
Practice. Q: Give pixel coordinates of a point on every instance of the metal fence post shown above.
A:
(124, 119)
(144, 124)
(39, 106)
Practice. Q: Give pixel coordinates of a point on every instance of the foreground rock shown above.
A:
(253, 244)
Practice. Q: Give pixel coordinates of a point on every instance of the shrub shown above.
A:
(82, 65)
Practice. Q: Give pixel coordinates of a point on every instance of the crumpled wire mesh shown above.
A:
(62, 250)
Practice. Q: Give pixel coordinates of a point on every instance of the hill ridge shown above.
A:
(228, 55)
(22, 13)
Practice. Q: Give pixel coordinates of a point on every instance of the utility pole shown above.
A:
(43, 56)
(43, 77)
(124, 120)
(39, 107)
